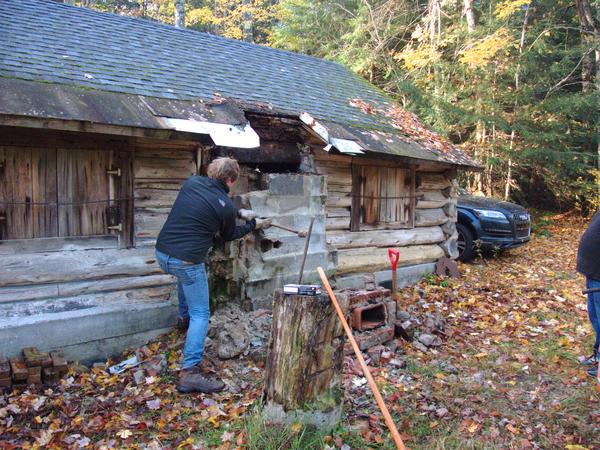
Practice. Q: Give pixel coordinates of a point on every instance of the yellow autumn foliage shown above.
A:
(507, 7)
(485, 50)
(417, 57)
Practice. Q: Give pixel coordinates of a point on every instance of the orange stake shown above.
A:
(386, 414)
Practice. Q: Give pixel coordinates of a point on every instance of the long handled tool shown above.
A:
(590, 290)
(306, 244)
(363, 365)
(394, 256)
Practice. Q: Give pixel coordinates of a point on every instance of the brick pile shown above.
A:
(35, 367)
(361, 301)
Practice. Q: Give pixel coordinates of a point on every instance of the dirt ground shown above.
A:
(506, 375)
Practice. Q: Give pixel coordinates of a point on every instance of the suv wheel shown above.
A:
(464, 242)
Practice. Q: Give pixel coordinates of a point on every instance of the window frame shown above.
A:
(357, 206)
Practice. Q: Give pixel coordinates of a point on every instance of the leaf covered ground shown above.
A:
(505, 376)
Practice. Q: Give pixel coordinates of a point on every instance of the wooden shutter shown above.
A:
(27, 182)
(371, 194)
(83, 191)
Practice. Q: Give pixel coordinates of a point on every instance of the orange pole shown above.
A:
(386, 414)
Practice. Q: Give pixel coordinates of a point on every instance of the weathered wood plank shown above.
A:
(432, 204)
(155, 198)
(60, 290)
(433, 181)
(44, 190)
(82, 177)
(385, 238)
(57, 244)
(336, 201)
(149, 221)
(76, 266)
(371, 259)
(337, 223)
(338, 212)
(430, 217)
(167, 169)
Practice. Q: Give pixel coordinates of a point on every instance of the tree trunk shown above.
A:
(470, 15)
(179, 13)
(590, 28)
(304, 362)
(247, 24)
(589, 37)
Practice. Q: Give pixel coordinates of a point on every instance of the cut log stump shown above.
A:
(304, 362)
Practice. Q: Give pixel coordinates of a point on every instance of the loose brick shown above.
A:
(371, 338)
(35, 358)
(34, 375)
(59, 362)
(19, 370)
(4, 368)
(50, 375)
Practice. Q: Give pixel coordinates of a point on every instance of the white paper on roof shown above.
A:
(222, 134)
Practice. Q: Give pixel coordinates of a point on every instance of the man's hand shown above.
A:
(246, 214)
(263, 224)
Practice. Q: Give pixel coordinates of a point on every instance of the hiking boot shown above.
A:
(192, 380)
(588, 361)
(593, 372)
(183, 323)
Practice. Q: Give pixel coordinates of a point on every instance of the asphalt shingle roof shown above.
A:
(42, 40)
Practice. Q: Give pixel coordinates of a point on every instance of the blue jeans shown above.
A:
(594, 310)
(193, 283)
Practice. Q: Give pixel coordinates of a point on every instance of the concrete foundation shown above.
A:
(406, 276)
(89, 334)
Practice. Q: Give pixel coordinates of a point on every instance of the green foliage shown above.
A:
(509, 91)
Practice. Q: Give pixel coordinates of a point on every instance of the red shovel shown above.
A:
(394, 256)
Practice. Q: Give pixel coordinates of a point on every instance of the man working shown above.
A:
(202, 209)
(588, 263)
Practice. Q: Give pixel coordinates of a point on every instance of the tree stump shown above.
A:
(304, 362)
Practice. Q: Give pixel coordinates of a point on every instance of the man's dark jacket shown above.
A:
(202, 209)
(588, 255)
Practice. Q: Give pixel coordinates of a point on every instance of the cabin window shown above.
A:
(383, 198)
(60, 193)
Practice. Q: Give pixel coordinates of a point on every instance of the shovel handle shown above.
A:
(394, 256)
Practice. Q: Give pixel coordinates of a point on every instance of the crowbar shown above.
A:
(386, 414)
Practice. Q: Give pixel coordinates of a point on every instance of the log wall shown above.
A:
(93, 270)
(160, 168)
(365, 251)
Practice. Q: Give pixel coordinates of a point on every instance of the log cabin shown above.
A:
(102, 117)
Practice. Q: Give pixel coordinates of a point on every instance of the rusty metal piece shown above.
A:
(306, 244)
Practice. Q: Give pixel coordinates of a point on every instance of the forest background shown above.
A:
(514, 83)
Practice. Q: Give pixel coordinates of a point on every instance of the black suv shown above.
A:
(489, 224)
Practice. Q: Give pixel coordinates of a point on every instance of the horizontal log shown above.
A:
(38, 268)
(338, 212)
(184, 153)
(433, 181)
(155, 198)
(164, 144)
(158, 168)
(430, 217)
(337, 223)
(149, 223)
(373, 259)
(167, 185)
(432, 204)
(338, 201)
(59, 290)
(58, 244)
(385, 238)
(431, 195)
(339, 188)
